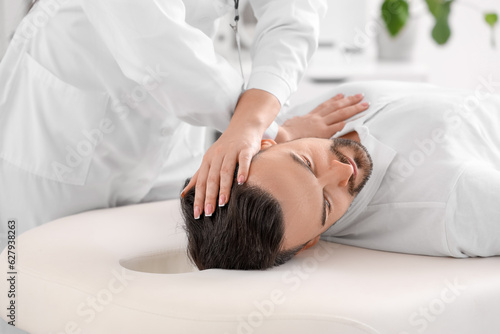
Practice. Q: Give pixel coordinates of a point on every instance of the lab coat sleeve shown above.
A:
(147, 36)
(473, 227)
(287, 35)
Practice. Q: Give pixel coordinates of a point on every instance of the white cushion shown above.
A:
(72, 277)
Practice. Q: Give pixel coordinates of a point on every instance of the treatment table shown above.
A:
(125, 271)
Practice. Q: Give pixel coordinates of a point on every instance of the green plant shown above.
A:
(395, 13)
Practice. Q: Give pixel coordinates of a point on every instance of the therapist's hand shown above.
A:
(255, 111)
(324, 121)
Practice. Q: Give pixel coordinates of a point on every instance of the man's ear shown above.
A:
(311, 243)
(266, 143)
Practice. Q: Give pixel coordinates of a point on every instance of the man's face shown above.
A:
(315, 181)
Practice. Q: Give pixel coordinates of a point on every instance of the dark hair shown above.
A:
(246, 234)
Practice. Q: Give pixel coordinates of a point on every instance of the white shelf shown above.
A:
(331, 68)
(332, 65)
(370, 71)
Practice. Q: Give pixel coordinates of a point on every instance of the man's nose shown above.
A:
(338, 173)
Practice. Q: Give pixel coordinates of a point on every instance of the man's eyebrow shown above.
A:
(301, 162)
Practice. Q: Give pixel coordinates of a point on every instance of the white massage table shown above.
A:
(125, 270)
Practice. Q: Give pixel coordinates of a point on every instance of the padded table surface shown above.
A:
(125, 270)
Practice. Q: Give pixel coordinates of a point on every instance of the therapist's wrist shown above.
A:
(256, 109)
(283, 135)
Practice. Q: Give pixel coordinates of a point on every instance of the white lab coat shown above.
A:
(100, 100)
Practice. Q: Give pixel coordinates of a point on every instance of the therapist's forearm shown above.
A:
(256, 110)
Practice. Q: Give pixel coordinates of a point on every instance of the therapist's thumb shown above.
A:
(190, 185)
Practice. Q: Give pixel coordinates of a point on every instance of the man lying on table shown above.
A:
(418, 172)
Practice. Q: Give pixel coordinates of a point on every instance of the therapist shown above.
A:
(101, 102)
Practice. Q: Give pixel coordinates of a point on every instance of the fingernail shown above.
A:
(365, 104)
(197, 212)
(209, 210)
(340, 95)
(222, 200)
(359, 96)
(241, 180)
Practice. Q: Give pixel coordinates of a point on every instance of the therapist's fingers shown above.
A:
(212, 187)
(200, 188)
(334, 105)
(336, 127)
(226, 179)
(337, 97)
(349, 101)
(328, 105)
(346, 113)
(190, 185)
(244, 160)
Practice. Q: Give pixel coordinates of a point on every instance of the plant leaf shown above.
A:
(440, 9)
(491, 19)
(441, 32)
(433, 6)
(395, 14)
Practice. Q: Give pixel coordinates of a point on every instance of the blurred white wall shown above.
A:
(342, 19)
